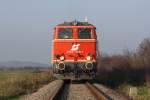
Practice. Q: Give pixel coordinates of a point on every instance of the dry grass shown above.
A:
(23, 83)
(143, 92)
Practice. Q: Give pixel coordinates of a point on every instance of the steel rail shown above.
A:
(96, 92)
(111, 94)
(54, 94)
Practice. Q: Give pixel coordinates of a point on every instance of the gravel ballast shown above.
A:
(79, 92)
(46, 92)
(111, 93)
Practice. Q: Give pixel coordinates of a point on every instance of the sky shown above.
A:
(26, 26)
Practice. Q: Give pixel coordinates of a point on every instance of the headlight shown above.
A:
(62, 58)
(89, 58)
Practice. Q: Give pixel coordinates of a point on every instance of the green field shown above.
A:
(3, 75)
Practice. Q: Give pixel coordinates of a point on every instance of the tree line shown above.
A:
(132, 67)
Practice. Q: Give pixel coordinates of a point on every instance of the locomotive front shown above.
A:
(74, 50)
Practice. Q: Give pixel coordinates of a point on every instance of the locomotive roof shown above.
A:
(75, 23)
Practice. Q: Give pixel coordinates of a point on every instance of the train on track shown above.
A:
(74, 50)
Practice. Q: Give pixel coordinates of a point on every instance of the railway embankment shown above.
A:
(47, 92)
(63, 90)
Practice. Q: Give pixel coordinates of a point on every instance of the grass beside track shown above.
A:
(143, 92)
(16, 83)
(114, 82)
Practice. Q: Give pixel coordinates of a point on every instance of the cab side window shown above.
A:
(84, 33)
(65, 33)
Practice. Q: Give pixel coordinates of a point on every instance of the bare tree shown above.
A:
(144, 54)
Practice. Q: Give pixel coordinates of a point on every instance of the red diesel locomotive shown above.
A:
(74, 50)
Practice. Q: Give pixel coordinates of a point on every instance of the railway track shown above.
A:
(67, 90)
(86, 91)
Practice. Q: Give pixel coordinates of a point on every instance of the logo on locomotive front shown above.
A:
(75, 47)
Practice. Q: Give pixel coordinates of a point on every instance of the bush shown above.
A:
(127, 68)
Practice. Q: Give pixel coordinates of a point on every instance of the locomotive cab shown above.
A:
(74, 50)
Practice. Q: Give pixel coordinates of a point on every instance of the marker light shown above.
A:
(62, 58)
(89, 58)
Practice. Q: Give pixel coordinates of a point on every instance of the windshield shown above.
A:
(84, 33)
(65, 33)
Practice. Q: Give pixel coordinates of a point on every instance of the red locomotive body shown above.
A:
(74, 50)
